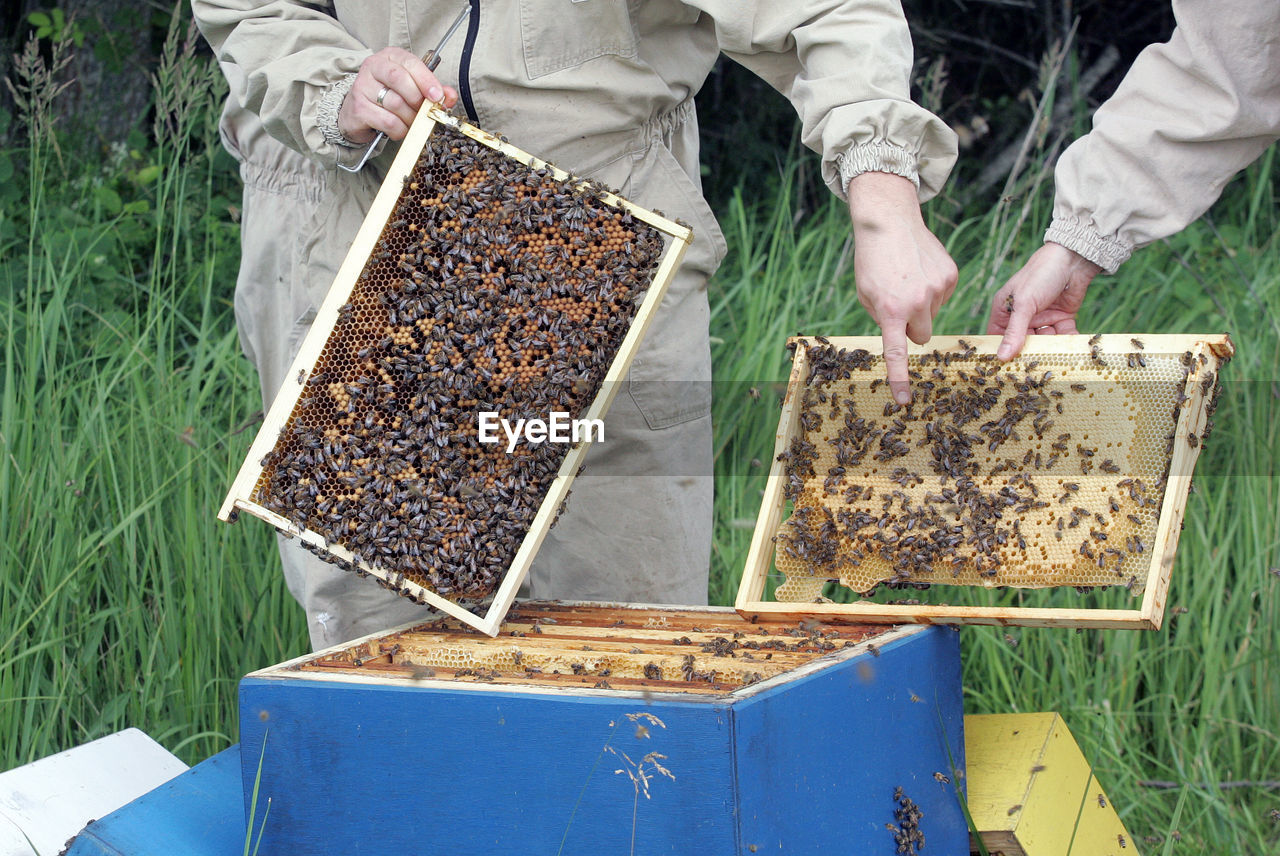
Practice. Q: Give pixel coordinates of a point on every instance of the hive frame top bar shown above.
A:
(1216, 349)
(290, 669)
(327, 316)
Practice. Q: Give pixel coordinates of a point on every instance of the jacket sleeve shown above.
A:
(297, 64)
(846, 67)
(1188, 116)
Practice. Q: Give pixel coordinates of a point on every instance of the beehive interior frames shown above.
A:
(588, 646)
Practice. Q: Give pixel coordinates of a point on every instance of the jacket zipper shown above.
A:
(464, 67)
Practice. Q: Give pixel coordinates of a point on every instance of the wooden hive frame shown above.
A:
(239, 497)
(1208, 354)
(625, 637)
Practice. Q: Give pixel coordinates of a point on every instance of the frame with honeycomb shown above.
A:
(1068, 467)
(483, 285)
(703, 651)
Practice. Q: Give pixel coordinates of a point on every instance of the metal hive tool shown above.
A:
(481, 280)
(1067, 467)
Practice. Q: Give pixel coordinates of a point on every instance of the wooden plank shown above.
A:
(996, 616)
(1031, 792)
(760, 552)
(607, 648)
(1208, 358)
(760, 560)
(1111, 343)
(583, 646)
(488, 616)
(673, 619)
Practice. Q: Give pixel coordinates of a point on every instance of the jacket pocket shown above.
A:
(670, 377)
(566, 33)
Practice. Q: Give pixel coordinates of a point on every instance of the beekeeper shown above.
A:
(1189, 114)
(603, 89)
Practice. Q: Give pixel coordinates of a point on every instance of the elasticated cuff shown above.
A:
(1105, 251)
(327, 112)
(877, 157)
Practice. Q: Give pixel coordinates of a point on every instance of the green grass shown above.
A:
(124, 601)
(123, 415)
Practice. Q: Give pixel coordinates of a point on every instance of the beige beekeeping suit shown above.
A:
(602, 88)
(1189, 115)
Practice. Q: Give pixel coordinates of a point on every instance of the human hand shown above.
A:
(902, 272)
(407, 81)
(1043, 297)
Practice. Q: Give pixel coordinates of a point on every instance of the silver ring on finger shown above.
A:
(382, 93)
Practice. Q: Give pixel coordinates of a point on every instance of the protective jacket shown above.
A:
(604, 89)
(1189, 114)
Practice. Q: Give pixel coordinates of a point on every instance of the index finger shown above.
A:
(423, 78)
(1015, 333)
(894, 335)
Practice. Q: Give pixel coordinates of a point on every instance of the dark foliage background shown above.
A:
(991, 53)
(978, 63)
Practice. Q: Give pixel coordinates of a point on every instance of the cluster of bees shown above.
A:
(907, 834)
(495, 287)
(1017, 474)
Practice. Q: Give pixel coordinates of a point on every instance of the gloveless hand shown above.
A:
(903, 273)
(407, 82)
(1042, 298)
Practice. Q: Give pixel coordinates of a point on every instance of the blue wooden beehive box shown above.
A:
(591, 729)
